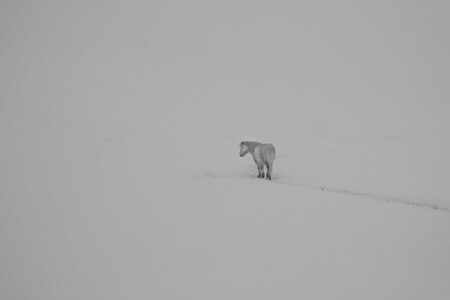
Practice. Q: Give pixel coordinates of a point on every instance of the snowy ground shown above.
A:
(119, 169)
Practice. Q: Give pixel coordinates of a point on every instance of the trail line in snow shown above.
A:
(204, 174)
(375, 197)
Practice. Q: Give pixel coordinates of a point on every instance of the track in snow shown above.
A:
(375, 197)
(204, 174)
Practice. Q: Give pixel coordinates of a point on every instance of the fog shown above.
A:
(120, 175)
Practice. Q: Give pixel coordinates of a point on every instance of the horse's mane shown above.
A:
(251, 145)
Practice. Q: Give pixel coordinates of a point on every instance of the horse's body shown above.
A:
(263, 154)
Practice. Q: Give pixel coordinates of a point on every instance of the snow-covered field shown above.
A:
(120, 124)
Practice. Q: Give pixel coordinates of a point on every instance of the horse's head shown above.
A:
(243, 149)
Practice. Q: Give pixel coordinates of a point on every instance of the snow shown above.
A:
(120, 174)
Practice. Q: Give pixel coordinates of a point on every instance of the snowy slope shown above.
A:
(120, 175)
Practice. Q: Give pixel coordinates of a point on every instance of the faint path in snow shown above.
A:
(96, 152)
(375, 197)
(204, 174)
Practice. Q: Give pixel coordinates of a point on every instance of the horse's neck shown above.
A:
(252, 146)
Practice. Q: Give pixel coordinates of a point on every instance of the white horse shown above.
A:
(263, 154)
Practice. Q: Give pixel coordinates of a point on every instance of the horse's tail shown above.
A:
(272, 159)
(272, 153)
(270, 156)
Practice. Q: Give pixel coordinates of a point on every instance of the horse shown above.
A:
(263, 155)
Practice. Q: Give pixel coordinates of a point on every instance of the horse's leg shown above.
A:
(269, 171)
(261, 171)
